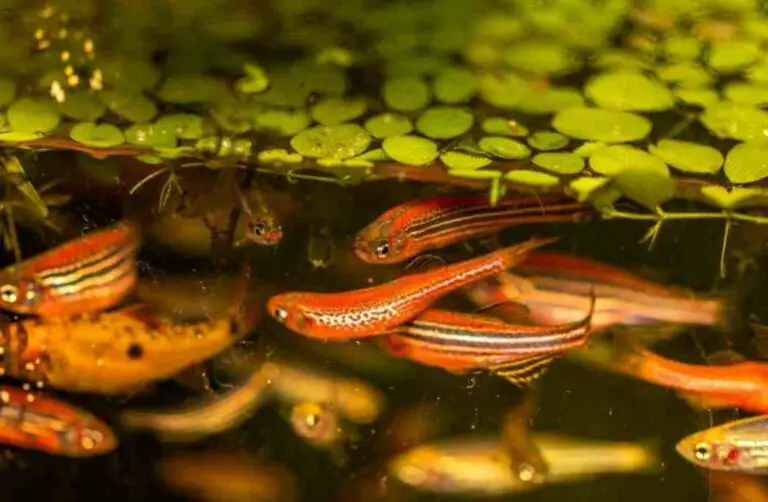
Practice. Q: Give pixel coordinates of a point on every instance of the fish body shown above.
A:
(85, 275)
(420, 225)
(479, 466)
(379, 309)
(737, 446)
(461, 342)
(35, 421)
(555, 288)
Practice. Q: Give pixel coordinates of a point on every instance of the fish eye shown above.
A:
(9, 293)
(702, 451)
(281, 313)
(382, 250)
(312, 420)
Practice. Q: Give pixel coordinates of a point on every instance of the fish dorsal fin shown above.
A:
(523, 373)
(725, 358)
(510, 312)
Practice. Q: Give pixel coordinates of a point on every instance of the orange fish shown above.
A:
(417, 226)
(85, 275)
(461, 342)
(37, 422)
(379, 309)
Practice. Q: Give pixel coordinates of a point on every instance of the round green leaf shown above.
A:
(97, 135)
(444, 122)
(559, 162)
(625, 90)
(455, 85)
(181, 125)
(461, 160)
(282, 122)
(585, 186)
(645, 184)
(747, 162)
(732, 120)
(340, 141)
(128, 75)
(504, 148)
(410, 150)
(549, 100)
(185, 89)
(406, 93)
(601, 125)
(18, 137)
(151, 135)
(588, 148)
(501, 126)
(700, 97)
(333, 111)
(388, 124)
(33, 116)
(532, 178)
(746, 94)
(133, 106)
(619, 59)
(475, 174)
(731, 56)
(685, 74)
(731, 198)
(615, 158)
(83, 106)
(254, 81)
(541, 58)
(503, 91)
(682, 48)
(687, 156)
(548, 140)
(7, 91)
(758, 72)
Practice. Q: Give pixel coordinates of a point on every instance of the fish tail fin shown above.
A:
(514, 255)
(646, 457)
(523, 373)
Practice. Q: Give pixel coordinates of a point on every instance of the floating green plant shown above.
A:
(82, 105)
(129, 75)
(685, 74)
(134, 106)
(33, 116)
(548, 140)
(411, 150)
(444, 122)
(333, 111)
(151, 135)
(746, 94)
(282, 122)
(340, 141)
(688, 157)
(406, 94)
(504, 148)
(185, 89)
(613, 159)
(625, 90)
(733, 198)
(541, 58)
(747, 162)
(181, 125)
(737, 121)
(388, 124)
(559, 162)
(532, 178)
(254, 81)
(501, 126)
(461, 160)
(730, 56)
(7, 91)
(97, 135)
(697, 96)
(601, 125)
(454, 85)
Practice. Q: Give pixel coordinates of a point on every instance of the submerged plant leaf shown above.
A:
(455, 85)
(730, 56)
(687, 156)
(504, 148)
(388, 124)
(747, 162)
(444, 122)
(626, 90)
(97, 135)
(33, 116)
(732, 120)
(532, 178)
(559, 162)
(340, 141)
(461, 160)
(406, 94)
(645, 184)
(601, 125)
(613, 159)
(548, 140)
(333, 111)
(411, 150)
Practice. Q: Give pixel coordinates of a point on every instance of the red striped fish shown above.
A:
(378, 310)
(555, 288)
(417, 226)
(461, 342)
(34, 421)
(84, 275)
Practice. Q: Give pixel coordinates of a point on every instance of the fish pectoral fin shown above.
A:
(423, 263)
(523, 373)
(699, 401)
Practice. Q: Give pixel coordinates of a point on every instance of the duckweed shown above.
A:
(601, 125)
(737, 121)
(83, 106)
(504, 148)
(33, 116)
(501, 126)
(532, 178)
(406, 94)
(548, 140)
(730, 56)
(687, 156)
(615, 158)
(541, 58)
(444, 122)
(339, 141)
(134, 106)
(747, 162)
(629, 91)
(388, 124)
(333, 111)
(411, 150)
(282, 122)
(97, 135)
(151, 135)
(181, 125)
(559, 162)
(461, 160)
(454, 85)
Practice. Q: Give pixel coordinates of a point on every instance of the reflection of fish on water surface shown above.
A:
(479, 466)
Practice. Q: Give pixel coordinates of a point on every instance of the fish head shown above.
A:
(711, 450)
(380, 243)
(19, 295)
(315, 422)
(264, 231)
(90, 437)
(287, 309)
